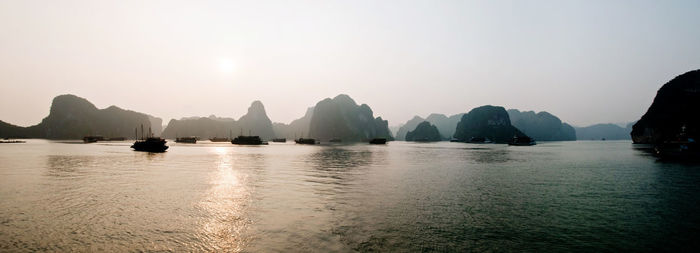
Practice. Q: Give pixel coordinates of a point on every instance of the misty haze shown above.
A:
(349, 126)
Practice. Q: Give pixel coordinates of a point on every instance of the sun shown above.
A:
(226, 65)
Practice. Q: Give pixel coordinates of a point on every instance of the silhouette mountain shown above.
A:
(446, 125)
(200, 126)
(73, 117)
(424, 132)
(487, 121)
(675, 108)
(296, 128)
(542, 126)
(342, 118)
(606, 131)
(407, 127)
(254, 122)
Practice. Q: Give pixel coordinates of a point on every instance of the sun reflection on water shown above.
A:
(226, 203)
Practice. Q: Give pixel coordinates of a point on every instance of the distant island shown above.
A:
(673, 112)
(73, 117)
(342, 118)
(424, 132)
(542, 126)
(446, 125)
(255, 122)
(491, 122)
(604, 132)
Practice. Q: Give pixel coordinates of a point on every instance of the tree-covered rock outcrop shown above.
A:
(542, 126)
(254, 122)
(446, 125)
(676, 109)
(202, 127)
(424, 132)
(342, 118)
(73, 117)
(487, 121)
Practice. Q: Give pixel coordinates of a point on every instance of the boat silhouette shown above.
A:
(309, 141)
(248, 140)
(522, 141)
(377, 141)
(150, 144)
(190, 139)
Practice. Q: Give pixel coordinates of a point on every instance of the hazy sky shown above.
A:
(584, 61)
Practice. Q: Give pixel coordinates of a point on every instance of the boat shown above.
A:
(479, 140)
(377, 141)
(455, 140)
(219, 139)
(335, 140)
(93, 138)
(150, 144)
(248, 140)
(11, 141)
(682, 148)
(522, 141)
(306, 141)
(190, 139)
(678, 150)
(279, 140)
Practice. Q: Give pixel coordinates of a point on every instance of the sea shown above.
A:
(578, 196)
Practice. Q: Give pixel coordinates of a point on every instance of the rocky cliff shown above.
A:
(296, 129)
(73, 117)
(675, 109)
(201, 127)
(446, 125)
(256, 122)
(487, 121)
(424, 132)
(342, 118)
(542, 126)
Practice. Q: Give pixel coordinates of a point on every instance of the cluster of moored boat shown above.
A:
(151, 143)
(157, 144)
(516, 141)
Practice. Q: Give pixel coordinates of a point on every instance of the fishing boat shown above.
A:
(306, 141)
(221, 139)
(479, 140)
(93, 138)
(190, 139)
(150, 144)
(377, 141)
(682, 148)
(522, 141)
(248, 140)
(11, 141)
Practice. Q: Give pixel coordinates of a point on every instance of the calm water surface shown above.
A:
(557, 196)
